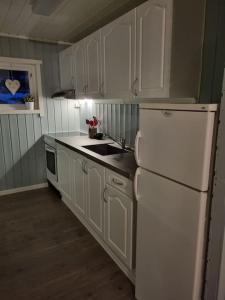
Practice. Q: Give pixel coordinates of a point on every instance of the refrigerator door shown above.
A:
(176, 144)
(170, 239)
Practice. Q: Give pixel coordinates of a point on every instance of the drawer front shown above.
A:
(119, 182)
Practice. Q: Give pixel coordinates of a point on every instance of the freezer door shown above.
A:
(170, 239)
(176, 144)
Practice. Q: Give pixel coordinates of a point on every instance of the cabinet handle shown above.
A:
(102, 89)
(104, 195)
(84, 166)
(116, 181)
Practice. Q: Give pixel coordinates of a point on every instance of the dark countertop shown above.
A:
(123, 164)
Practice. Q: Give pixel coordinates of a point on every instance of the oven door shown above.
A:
(51, 162)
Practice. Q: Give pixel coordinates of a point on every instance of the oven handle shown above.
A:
(50, 150)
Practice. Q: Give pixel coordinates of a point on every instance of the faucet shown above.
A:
(119, 140)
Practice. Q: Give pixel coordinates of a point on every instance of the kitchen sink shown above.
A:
(105, 149)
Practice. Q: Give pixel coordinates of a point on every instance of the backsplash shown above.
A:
(118, 120)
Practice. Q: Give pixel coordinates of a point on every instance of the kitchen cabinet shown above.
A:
(66, 69)
(79, 69)
(64, 172)
(154, 34)
(93, 66)
(95, 190)
(78, 183)
(119, 223)
(118, 57)
(102, 200)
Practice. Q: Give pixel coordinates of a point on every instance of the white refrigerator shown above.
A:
(173, 150)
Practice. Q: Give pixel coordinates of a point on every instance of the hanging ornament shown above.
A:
(12, 85)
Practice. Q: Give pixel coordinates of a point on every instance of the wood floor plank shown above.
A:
(47, 254)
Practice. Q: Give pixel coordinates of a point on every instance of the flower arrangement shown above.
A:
(93, 124)
(29, 99)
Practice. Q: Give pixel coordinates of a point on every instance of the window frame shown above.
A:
(34, 69)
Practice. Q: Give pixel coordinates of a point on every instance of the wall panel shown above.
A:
(22, 156)
(118, 120)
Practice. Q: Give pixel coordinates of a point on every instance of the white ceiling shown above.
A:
(69, 19)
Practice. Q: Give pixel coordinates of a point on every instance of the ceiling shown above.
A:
(59, 20)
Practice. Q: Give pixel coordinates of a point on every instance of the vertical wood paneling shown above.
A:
(21, 144)
(6, 137)
(2, 161)
(118, 120)
(14, 134)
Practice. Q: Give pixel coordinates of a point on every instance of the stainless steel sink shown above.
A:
(105, 149)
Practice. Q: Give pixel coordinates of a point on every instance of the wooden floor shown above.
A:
(45, 253)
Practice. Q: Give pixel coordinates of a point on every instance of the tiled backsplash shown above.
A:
(118, 120)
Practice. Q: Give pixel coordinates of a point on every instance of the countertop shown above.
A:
(123, 164)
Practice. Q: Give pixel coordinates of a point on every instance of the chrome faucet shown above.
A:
(119, 140)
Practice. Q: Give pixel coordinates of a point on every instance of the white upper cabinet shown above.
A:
(93, 69)
(154, 30)
(66, 68)
(118, 56)
(79, 68)
(129, 58)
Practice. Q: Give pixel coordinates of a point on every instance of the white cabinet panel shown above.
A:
(176, 144)
(154, 29)
(119, 224)
(170, 239)
(95, 188)
(66, 68)
(118, 50)
(79, 68)
(64, 172)
(93, 68)
(78, 184)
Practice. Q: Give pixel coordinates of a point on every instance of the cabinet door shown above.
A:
(64, 172)
(78, 184)
(79, 68)
(92, 47)
(119, 224)
(66, 68)
(95, 189)
(154, 28)
(118, 57)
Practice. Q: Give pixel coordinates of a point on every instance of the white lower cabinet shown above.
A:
(95, 189)
(105, 209)
(78, 184)
(64, 172)
(119, 223)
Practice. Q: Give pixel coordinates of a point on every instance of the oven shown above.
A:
(51, 163)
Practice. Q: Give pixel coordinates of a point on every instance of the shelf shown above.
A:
(20, 112)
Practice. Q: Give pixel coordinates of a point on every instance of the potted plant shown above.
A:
(29, 102)
(93, 124)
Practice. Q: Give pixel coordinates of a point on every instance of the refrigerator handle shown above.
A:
(137, 174)
(136, 151)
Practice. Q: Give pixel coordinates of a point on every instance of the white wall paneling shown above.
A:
(22, 156)
(118, 120)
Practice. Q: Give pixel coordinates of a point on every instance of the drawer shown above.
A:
(119, 182)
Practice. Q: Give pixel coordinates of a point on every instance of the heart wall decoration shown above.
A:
(12, 85)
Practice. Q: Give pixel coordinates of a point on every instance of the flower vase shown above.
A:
(29, 105)
(92, 132)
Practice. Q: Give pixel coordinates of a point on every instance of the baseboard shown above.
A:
(24, 189)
